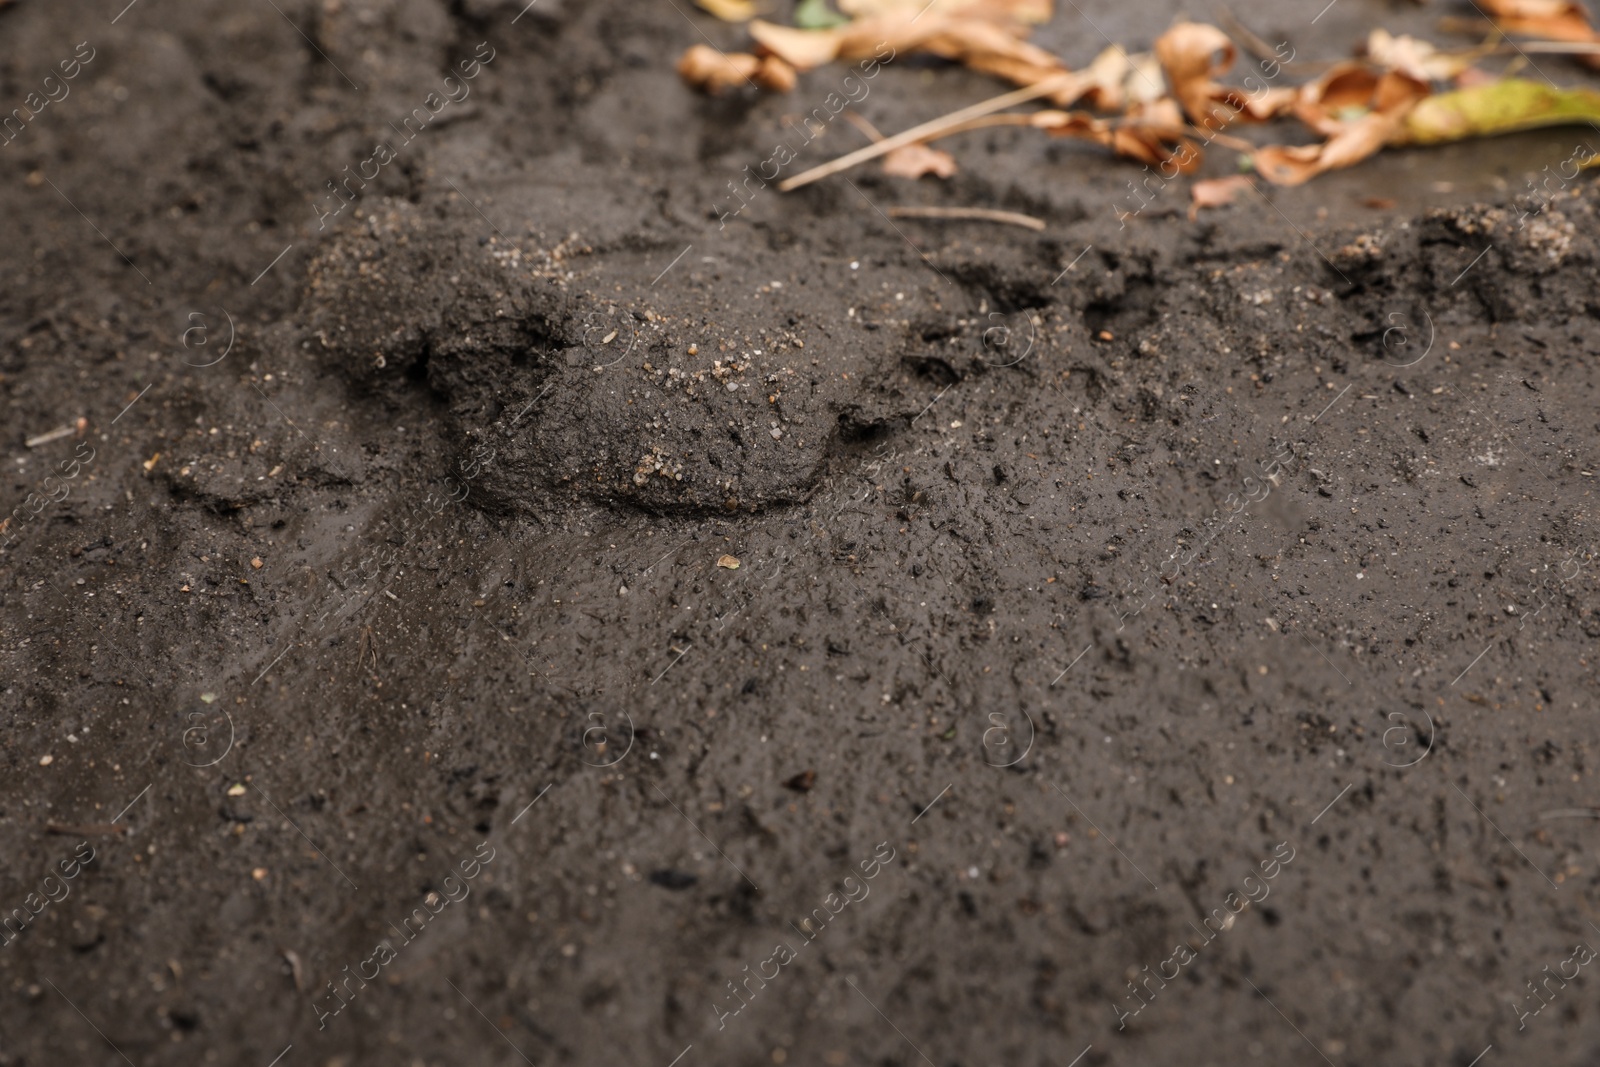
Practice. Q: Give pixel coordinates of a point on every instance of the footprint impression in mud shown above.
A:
(605, 368)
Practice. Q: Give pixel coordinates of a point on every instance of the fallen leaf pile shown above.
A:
(1163, 108)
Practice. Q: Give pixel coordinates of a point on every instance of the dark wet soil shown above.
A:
(520, 615)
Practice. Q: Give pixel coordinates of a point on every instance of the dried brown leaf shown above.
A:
(1146, 137)
(1555, 20)
(1116, 79)
(1415, 57)
(775, 75)
(1030, 11)
(985, 35)
(1377, 118)
(975, 41)
(801, 49)
(915, 160)
(1194, 54)
(730, 10)
(711, 71)
(1217, 192)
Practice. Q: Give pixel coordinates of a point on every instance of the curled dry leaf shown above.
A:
(1030, 11)
(915, 160)
(1555, 20)
(730, 10)
(1343, 93)
(1415, 57)
(993, 48)
(974, 38)
(1355, 130)
(1217, 192)
(985, 35)
(801, 49)
(711, 71)
(1163, 114)
(1116, 80)
(1193, 54)
(1150, 135)
(775, 75)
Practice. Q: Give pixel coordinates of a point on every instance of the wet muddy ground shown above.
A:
(518, 614)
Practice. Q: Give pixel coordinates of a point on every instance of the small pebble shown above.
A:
(45, 761)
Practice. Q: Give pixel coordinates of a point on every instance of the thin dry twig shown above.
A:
(867, 129)
(1559, 48)
(1476, 27)
(984, 214)
(928, 129)
(1013, 119)
(1253, 43)
(1028, 119)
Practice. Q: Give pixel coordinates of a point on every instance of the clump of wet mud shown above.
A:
(728, 390)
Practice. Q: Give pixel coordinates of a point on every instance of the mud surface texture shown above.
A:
(571, 605)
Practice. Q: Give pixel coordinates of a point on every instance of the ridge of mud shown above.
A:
(569, 363)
